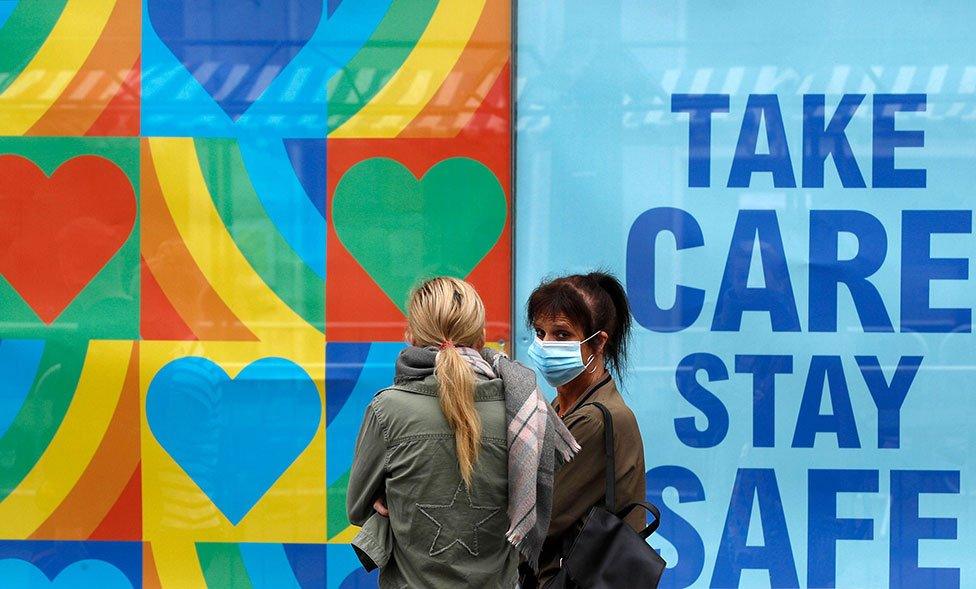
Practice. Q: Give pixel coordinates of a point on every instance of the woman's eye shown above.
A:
(562, 335)
(540, 334)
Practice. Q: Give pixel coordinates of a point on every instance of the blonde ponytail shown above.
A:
(443, 312)
(456, 382)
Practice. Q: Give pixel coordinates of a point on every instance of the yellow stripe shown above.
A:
(418, 79)
(54, 65)
(177, 564)
(75, 442)
(345, 536)
(213, 249)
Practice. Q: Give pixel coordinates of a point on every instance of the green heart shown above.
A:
(402, 230)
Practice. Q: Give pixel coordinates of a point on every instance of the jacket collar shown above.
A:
(485, 390)
(603, 391)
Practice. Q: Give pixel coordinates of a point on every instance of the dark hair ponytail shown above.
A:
(618, 331)
(595, 301)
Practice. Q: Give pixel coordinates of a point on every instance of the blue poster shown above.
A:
(787, 190)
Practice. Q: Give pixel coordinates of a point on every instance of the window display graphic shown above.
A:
(787, 191)
(211, 214)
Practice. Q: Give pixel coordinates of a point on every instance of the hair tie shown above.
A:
(446, 344)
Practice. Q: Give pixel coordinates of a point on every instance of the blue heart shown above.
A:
(82, 574)
(234, 438)
(234, 49)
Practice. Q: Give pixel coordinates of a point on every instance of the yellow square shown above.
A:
(208, 506)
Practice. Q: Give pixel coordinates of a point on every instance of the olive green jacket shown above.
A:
(443, 534)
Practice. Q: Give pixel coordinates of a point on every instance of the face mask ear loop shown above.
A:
(592, 356)
(588, 362)
(591, 337)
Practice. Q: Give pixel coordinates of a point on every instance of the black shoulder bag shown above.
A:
(607, 553)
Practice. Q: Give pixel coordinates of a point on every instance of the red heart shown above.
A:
(57, 233)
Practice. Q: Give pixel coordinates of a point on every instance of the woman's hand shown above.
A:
(380, 507)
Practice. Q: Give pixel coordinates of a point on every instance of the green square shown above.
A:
(107, 304)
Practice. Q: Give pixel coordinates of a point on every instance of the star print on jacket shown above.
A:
(454, 525)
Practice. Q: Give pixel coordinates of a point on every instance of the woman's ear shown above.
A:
(601, 342)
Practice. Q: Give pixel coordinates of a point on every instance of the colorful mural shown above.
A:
(211, 214)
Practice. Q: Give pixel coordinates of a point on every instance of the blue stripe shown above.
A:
(19, 360)
(377, 374)
(268, 567)
(6, 7)
(308, 160)
(343, 364)
(308, 564)
(283, 198)
(350, 26)
(345, 571)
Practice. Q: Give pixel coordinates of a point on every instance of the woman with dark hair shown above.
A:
(582, 325)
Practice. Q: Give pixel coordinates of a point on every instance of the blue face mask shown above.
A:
(559, 362)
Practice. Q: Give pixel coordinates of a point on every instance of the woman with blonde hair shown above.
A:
(452, 476)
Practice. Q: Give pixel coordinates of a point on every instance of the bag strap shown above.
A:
(651, 508)
(610, 485)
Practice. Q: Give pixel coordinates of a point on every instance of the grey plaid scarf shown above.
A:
(538, 441)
